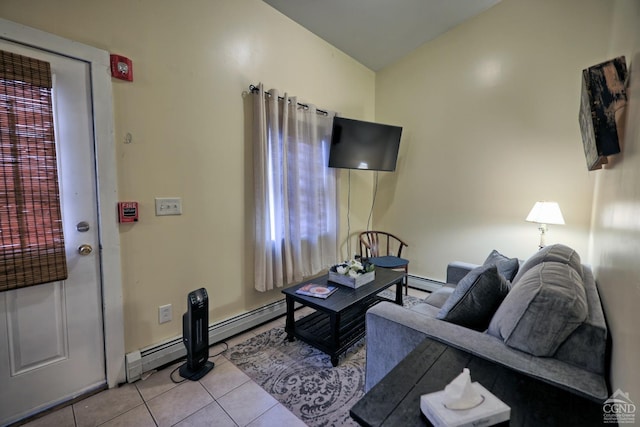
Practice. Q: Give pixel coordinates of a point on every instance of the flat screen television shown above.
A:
(356, 144)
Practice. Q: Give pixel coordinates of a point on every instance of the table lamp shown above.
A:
(545, 213)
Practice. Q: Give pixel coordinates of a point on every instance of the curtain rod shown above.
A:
(253, 89)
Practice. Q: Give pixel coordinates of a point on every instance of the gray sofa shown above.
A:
(542, 317)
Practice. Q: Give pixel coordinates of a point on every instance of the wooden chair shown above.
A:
(383, 249)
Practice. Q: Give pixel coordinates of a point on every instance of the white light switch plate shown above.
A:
(168, 206)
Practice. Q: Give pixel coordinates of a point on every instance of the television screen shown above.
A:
(364, 145)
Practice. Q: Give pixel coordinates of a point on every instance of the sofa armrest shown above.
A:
(456, 270)
(389, 340)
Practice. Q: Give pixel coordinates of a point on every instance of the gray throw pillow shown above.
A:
(476, 298)
(542, 309)
(552, 253)
(508, 267)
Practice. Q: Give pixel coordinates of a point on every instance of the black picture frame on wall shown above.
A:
(603, 94)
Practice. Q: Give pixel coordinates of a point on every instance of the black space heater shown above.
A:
(195, 335)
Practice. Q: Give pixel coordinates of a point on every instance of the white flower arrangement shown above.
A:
(353, 268)
(353, 273)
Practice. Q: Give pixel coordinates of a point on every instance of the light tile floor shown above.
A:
(224, 397)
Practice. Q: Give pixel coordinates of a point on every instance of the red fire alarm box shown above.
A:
(121, 68)
(127, 211)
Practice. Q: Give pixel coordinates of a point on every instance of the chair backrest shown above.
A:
(380, 243)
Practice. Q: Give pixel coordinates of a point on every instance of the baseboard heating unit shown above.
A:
(152, 357)
(424, 284)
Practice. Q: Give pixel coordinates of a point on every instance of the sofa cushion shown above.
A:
(551, 253)
(587, 345)
(508, 267)
(542, 309)
(476, 298)
(438, 297)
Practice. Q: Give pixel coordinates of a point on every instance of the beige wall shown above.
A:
(490, 116)
(187, 116)
(616, 217)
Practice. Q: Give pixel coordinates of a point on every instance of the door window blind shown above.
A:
(31, 239)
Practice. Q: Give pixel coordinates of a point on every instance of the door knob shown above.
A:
(85, 249)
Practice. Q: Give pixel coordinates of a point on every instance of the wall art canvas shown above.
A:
(602, 100)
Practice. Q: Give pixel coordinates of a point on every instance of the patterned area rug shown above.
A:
(302, 378)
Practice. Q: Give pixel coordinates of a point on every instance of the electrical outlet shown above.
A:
(164, 313)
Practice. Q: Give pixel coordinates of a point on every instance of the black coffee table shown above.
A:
(338, 321)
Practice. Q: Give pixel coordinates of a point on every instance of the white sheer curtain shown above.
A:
(296, 222)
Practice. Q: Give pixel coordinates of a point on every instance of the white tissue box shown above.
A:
(491, 411)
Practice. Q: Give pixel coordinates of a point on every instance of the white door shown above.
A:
(51, 335)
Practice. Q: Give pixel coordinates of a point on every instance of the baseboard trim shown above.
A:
(424, 283)
(152, 357)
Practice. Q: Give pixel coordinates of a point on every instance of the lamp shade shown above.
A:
(546, 213)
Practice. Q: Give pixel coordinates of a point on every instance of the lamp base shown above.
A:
(543, 231)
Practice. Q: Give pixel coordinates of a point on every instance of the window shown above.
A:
(31, 240)
(295, 191)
